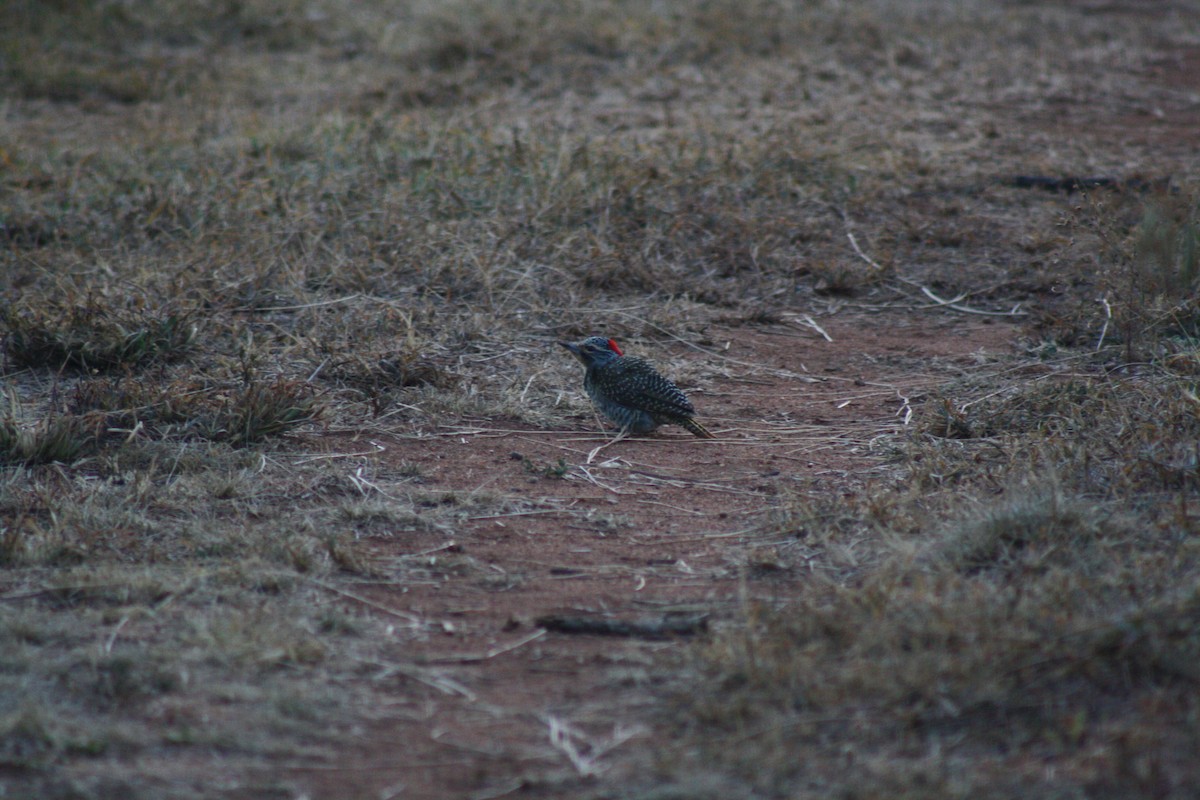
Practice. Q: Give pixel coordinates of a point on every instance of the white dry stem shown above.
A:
(564, 739)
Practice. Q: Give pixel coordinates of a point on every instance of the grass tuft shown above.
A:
(55, 438)
(26, 741)
(60, 439)
(124, 680)
(1030, 528)
(261, 410)
(95, 334)
(218, 412)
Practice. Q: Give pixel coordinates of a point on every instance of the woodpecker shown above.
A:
(631, 392)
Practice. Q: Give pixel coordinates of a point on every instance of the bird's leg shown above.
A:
(622, 434)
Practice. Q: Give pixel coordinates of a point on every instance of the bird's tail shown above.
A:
(698, 429)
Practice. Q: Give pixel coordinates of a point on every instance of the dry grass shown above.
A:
(94, 335)
(1027, 598)
(225, 224)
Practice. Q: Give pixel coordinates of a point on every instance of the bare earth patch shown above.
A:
(485, 701)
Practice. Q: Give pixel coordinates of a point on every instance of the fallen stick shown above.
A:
(641, 629)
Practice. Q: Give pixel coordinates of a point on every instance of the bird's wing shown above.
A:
(645, 385)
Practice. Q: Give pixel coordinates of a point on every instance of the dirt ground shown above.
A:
(672, 530)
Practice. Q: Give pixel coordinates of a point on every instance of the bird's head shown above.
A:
(594, 350)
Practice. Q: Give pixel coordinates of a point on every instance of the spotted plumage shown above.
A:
(630, 391)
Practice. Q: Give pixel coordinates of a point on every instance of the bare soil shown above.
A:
(653, 528)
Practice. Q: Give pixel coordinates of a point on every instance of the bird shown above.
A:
(630, 391)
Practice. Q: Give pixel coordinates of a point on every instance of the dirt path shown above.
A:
(483, 700)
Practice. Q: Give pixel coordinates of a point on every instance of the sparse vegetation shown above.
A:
(57, 438)
(93, 334)
(272, 270)
(1028, 620)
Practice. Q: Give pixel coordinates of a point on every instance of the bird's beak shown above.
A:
(574, 348)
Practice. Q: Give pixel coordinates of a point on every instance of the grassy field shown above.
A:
(241, 241)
